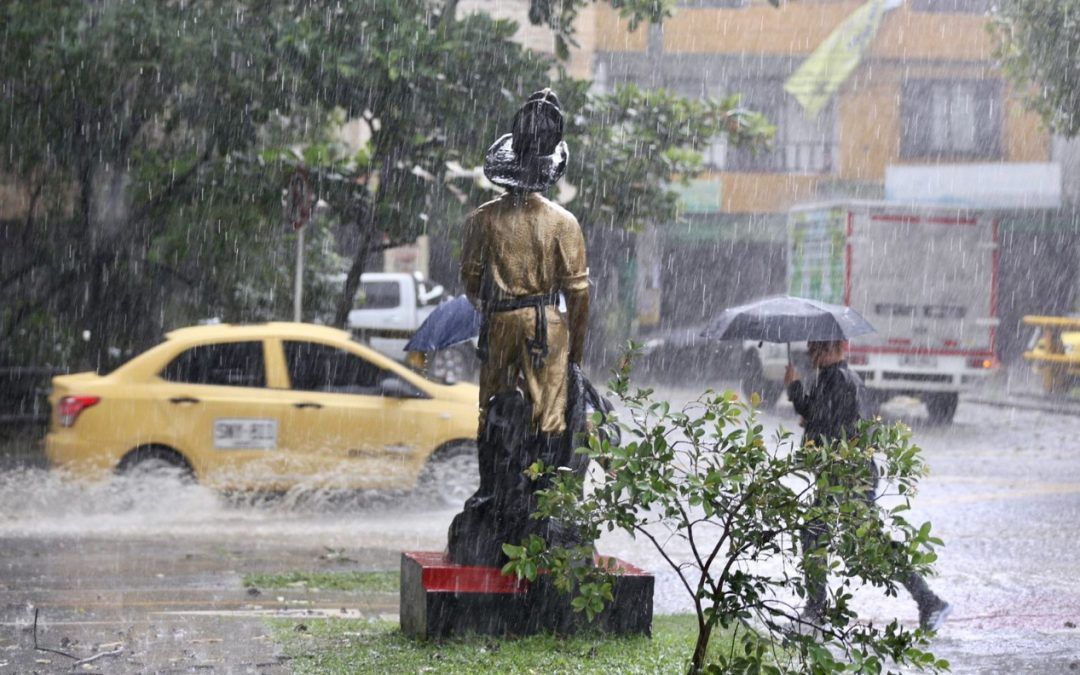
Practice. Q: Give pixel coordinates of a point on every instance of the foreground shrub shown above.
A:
(725, 508)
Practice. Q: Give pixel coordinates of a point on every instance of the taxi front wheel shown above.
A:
(451, 475)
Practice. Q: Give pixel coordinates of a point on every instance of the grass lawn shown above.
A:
(361, 646)
(370, 582)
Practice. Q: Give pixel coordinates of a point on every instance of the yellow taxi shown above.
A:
(1055, 352)
(269, 406)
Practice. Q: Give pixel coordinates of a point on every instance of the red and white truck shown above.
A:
(925, 277)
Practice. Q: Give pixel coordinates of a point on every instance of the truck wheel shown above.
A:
(754, 382)
(456, 364)
(941, 407)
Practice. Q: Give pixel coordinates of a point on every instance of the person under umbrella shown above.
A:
(454, 321)
(831, 411)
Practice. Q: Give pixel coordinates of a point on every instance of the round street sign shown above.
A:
(299, 200)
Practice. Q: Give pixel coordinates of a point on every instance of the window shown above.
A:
(802, 144)
(230, 364)
(952, 6)
(317, 367)
(378, 295)
(951, 119)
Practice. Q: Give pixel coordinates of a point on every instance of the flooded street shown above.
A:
(263, 244)
(158, 568)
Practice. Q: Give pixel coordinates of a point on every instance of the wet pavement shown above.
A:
(173, 605)
(157, 569)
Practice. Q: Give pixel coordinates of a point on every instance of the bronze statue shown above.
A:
(521, 252)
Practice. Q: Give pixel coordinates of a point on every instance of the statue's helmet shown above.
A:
(533, 156)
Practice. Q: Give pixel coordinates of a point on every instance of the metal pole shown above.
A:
(298, 298)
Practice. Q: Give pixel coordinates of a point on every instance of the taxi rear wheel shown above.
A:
(158, 462)
(451, 475)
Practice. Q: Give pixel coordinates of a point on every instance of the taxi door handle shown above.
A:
(307, 404)
(183, 399)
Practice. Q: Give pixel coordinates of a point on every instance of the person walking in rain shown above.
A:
(831, 410)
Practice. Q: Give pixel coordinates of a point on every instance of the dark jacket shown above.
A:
(833, 407)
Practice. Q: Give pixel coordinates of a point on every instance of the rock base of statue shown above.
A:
(464, 590)
(501, 509)
(440, 599)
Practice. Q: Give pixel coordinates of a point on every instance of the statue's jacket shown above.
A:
(523, 249)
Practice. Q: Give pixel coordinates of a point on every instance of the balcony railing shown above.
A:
(811, 157)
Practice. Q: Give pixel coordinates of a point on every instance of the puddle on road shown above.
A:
(40, 503)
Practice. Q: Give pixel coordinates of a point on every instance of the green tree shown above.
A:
(148, 144)
(148, 141)
(435, 91)
(128, 130)
(725, 508)
(561, 15)
(430, 90)
(630, 147)
(1037, 49)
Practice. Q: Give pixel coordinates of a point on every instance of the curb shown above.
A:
(1033, 403)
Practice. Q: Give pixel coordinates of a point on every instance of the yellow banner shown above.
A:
(830, 65)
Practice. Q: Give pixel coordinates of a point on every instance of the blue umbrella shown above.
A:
(453, 321)
(785, 318)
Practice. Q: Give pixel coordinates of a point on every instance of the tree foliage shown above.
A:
(128, 131)
(431, 91)
(560, 16)
(434, 108)
(632, 144)
(147, 145)
(1038, 42)
(628, 149)
(725, 508)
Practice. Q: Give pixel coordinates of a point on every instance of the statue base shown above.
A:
(440, 599)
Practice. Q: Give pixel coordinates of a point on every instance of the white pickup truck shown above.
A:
(390, 306)
(925, 277)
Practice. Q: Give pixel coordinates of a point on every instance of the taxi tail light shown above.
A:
(980, 362)
(68, 409)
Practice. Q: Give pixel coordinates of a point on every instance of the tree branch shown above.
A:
(667, 558)
(178, 182)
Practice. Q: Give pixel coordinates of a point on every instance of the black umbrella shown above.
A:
(784, 318)
(451, 322)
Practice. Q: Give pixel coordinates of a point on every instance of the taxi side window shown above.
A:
(317, 367)
(230, 364)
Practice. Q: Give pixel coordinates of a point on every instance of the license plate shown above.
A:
(245, 433)
(918, 361)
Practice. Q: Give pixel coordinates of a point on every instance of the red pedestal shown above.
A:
(439, 598)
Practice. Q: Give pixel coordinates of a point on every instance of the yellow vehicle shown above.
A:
(1055, 352)
(268, 407)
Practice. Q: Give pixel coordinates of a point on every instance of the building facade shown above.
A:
(924, 93)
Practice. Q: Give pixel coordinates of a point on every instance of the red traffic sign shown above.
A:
(299, 200)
